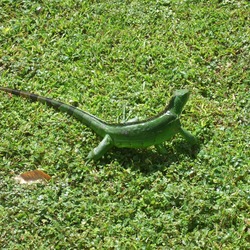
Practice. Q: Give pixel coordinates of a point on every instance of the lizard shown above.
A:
(137, 134)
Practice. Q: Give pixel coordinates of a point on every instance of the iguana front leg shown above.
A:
(190, 138)
(101, 149)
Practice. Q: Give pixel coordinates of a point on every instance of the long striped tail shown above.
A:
(89, 120)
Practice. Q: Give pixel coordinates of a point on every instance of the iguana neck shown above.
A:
(178, 102)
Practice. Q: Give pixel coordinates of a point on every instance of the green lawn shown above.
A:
(123, 59)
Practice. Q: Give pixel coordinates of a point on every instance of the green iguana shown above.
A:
(139, 134)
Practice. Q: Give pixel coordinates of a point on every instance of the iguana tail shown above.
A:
(89, 120)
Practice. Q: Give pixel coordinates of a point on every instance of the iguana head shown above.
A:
(178, 101)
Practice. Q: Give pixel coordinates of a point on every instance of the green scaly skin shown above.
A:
(139, 134)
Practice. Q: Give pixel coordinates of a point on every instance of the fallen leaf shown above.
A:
(34, 176)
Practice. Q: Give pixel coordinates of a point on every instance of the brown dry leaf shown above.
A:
(34, 176)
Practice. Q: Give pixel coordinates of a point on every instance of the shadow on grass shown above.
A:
(149, 160)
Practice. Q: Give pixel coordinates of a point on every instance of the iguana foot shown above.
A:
(194, 143)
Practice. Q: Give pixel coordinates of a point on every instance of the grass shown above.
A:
(115, 59)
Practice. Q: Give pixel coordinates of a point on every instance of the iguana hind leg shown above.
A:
(101, 149)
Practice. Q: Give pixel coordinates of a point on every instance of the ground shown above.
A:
(119, 60)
